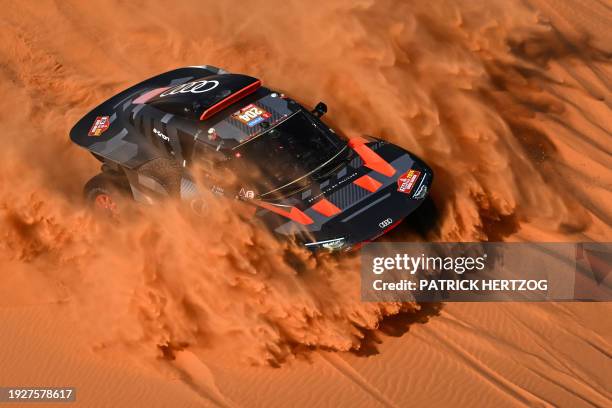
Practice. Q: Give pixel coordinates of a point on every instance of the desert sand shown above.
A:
(509, 101)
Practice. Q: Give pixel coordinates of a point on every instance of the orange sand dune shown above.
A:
(509, 101)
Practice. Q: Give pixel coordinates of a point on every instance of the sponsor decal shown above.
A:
(421, 192)
(251, 115)
(246, 194)
(333, 186)
(195, 87)
(406, 182)
(217, 190)
(385, 223)
(160, 134)
(99, 126)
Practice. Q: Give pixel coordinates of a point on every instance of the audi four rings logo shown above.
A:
(195, 87)
(385, 223)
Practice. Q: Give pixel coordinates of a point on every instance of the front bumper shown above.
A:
(373, 217)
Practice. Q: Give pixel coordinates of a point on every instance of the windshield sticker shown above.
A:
(99, 126)
(251, 115)
(406, 182)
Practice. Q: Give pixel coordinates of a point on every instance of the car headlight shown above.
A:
(329, 244)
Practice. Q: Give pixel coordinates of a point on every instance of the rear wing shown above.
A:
(104, 130)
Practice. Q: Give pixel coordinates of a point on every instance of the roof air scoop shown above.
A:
(203, 97)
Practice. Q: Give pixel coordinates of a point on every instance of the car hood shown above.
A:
(360, 199)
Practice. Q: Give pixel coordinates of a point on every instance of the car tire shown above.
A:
(105, 191)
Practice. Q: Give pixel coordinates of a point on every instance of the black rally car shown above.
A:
(304, 180)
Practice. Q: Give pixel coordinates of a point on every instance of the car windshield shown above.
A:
(287, 152)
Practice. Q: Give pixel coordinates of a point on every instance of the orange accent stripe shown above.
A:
(368, 183)
(148, 95)
(356, 141)
(370, 158)
(293, 213)
(236, 96)
(327, 208)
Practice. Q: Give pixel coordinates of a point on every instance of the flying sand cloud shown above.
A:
(471, 94)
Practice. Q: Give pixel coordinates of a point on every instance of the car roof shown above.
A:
(232, 129)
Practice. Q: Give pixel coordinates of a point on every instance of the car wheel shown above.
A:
(104, 192)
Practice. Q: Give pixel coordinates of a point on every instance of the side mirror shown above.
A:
(320, 110)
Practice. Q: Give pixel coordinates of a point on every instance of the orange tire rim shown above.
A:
(106, 202)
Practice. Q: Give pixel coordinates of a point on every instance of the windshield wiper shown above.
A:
(310, 173)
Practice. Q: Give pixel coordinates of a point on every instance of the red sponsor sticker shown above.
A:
(251, 115)
(99, 126)
(406, 182)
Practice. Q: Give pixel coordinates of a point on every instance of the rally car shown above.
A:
(303, 180)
